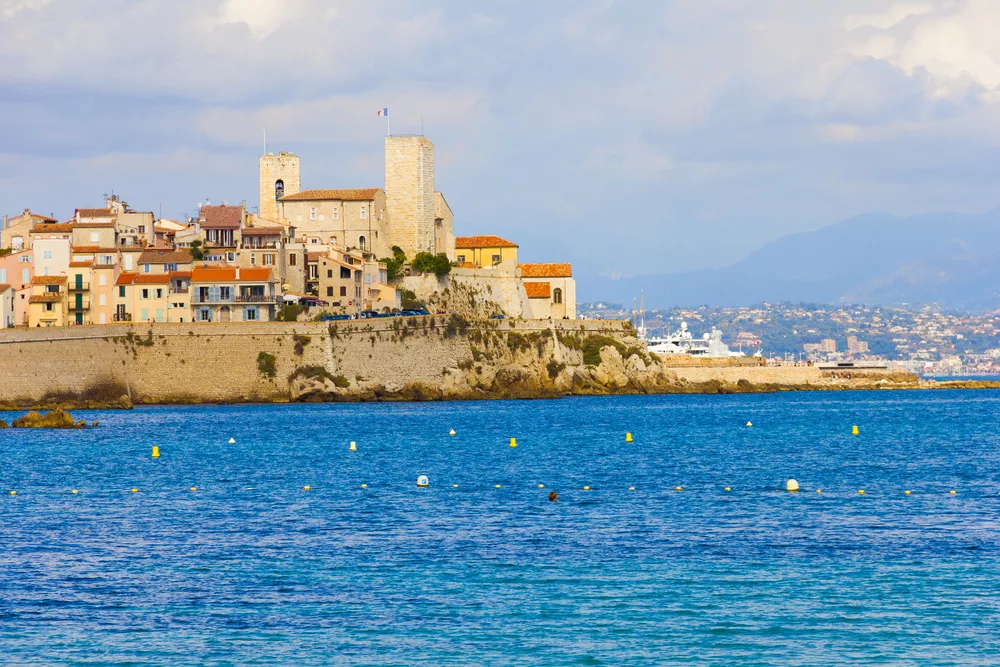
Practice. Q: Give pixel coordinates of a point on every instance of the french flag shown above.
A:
(384, 112)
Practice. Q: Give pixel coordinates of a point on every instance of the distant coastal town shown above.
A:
(924, 340)
(304, 254)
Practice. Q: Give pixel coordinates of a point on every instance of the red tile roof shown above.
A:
(48, 280)
(86, 248)
(4, 287)
(180, 274)
(165, 256)
(314, 256)
(45, 298)
(546, 270)
(262, 231)
(91, 224)
(57, 228)
(483, 242)
(83, 263)
(152, 279)
(94, 213)
(126, 278)
(538, 290)
(356, 194)
(222, 217)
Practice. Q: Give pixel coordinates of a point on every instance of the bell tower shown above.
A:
(279, 176)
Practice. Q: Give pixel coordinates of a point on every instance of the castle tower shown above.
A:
(409, 192)
(279, 176)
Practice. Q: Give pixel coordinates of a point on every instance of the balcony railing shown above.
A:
(83, 304)
(240, 298)
(259, 246)
(79, 287)
(122, 317)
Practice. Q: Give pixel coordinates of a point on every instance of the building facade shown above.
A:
(484, 251)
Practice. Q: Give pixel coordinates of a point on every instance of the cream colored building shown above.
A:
(339, 219)
(484, 251)
(280, 176)
(17, 270)
(444, 233)
(15, 232)
(551, 290)
(409, 190)
(7, 314)
(47, 303)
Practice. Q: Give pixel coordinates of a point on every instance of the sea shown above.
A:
(284, 547)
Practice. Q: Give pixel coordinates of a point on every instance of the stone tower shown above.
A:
(279, 176)
(409, 193)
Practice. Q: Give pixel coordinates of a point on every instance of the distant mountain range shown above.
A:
(949, 259)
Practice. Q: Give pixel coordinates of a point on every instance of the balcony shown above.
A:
(79, 287)
(258, 246)
(241, 298)
(82, 304)
(122, 317)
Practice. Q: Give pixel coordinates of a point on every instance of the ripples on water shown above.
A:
(252, 569)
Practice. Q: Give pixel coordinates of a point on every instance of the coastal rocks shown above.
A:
(4, 424)
(58, 418)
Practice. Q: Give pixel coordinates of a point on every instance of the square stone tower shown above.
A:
(279, 176)
(409, 192)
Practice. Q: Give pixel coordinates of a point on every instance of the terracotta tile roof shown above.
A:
(538, 290)
(152, 279)
(483, 242)
(126, 278)
(229, 275)
(89, 224)
(222, 217)
(4, 287)
(333, 260)
(83, 263)
(58, 228)
(94, 213)
(356, 194)
(260, 230)
(165, 256)
(546, 270)
(314, 256)
(48, 280)
(45, 298)
(180, 274)
(86, 248)
(467, 265)
(35, 216)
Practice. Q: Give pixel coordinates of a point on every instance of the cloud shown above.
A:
(9, 9)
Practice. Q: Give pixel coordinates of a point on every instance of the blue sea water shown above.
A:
(252, 569)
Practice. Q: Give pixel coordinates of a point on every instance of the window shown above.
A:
(47, 254)
(268, 259)
(226, 293)
(345, 272)
(329, 291)
(313, 271)
(128, 262)
(291, 259)
(343, 291)
(95, 237)
(251, 314)
(335, 215)
(230, 256)
(461, 259)
(145, 295)
(145, 268)
(102, 300)
(363, 212)
(48, 306)
(102, 280)
(253, 259)
(144, 315)
(496, 259)
(329, 273)
(108, 260)
(333, 240)
(24, 259)
(363, 243)
(121, 291)
(312, 212)
(3, 276)
(52, 289)
(142, 229)
(557, 295)
(313, 240)
(159, 292)
(17, 242)
(171, 268)
(205, 315)
(279, 189)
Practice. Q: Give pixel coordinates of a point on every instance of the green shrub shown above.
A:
(300, 343)
(555, 368)
(438, 264)
(267, 364)
(593, 345)
(394, 264)
(289, 312)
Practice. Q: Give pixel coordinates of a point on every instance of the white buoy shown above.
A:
(749, 424)
(423, 482)
(232, 441)
(791, 485)
(451, 432)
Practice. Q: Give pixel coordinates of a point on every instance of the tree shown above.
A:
(394, 264)
(197, 252)
(438, 264)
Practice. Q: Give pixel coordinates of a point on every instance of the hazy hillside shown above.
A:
(947, 258)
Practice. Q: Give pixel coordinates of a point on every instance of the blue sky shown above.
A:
(627, 137)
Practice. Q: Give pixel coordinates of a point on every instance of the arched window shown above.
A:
(557, 295)
(362, 243)
(279, 189)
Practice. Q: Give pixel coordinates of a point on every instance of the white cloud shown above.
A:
(9, 9)
(262, 17)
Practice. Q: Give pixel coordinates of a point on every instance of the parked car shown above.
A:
(368, 314)
(498, 316)
(335, 318)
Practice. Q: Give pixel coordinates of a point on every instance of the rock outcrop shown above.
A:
(58, 418)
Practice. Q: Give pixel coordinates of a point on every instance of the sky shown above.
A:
(629, 138)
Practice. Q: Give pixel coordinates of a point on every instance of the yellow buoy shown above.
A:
(513, 442)
(156, 452)
(307, 488)
(861, 492)
(496, 486)
(854, 430)
(677, 488)
(194, 488)
(364, 486)
(749, 424)
(791, 486)
(906, 493)
(728, 489)
(135, 490)
(354, 446)
(819, 490)
(13, 493)
(75, 491)
(628, 437)
(631, 488)
(953, 492)
(454, 486)
(586, 488)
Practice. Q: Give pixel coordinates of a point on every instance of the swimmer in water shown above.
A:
(553, 496)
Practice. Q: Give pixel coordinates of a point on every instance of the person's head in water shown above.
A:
(553, 496)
